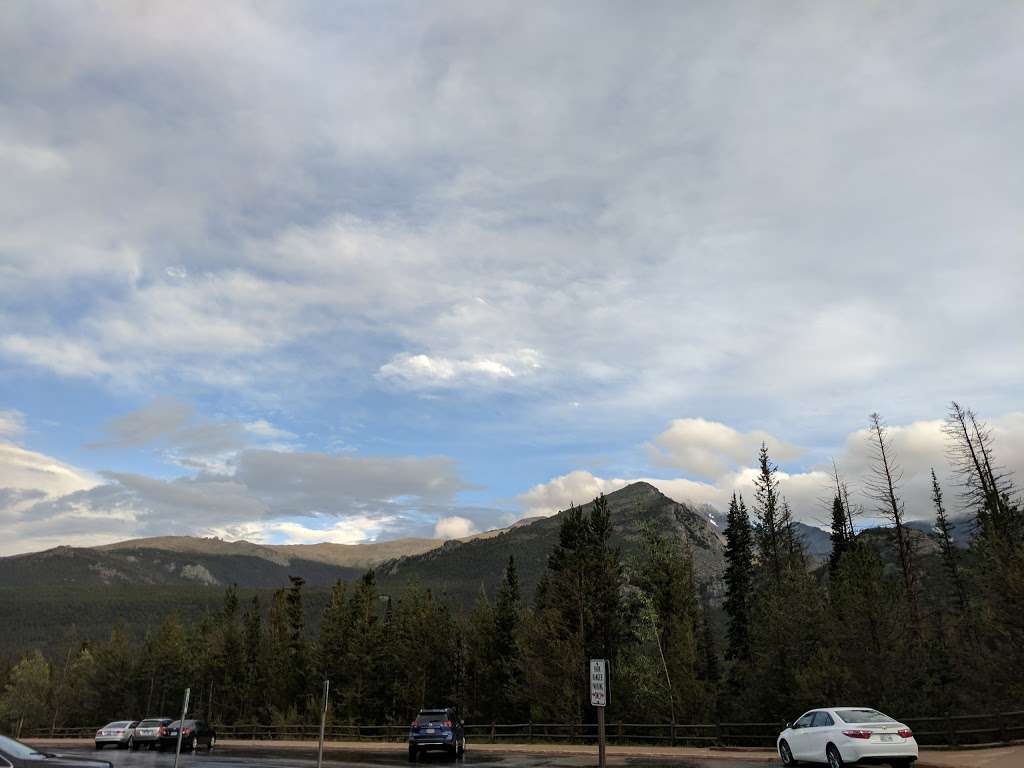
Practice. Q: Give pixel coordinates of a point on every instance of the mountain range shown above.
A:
(140, 580)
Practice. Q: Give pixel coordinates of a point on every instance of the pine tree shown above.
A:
(739, 577)
(950, 556)
(840, 535)
(508, 654)
(769, 528)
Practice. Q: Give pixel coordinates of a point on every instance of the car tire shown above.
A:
(212, 744)
(905, 763)
(98, 745)
(131, 745)
(412, 754)
(195, 743)
(786, 754)
(835, 759)
(462, 747)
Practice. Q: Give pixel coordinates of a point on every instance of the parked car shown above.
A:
(14, 754)
(148, 732)
(438, 729)
(841, 736)
(194, 733)
(119, 733)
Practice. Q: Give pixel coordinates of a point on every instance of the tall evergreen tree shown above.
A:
(739, 578)
(770, 528)
(950, 555)
(840, 535)
(508, 653)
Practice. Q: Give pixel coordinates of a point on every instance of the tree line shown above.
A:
(880, 624)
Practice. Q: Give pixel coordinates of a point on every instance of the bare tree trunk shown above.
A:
(887, 476)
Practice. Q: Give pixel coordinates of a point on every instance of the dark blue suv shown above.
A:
(438, 729)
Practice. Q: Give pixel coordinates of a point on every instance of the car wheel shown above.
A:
(195, 743)
(213, 742)
(462, 747)
(412, 754)
(835, 760)
(98, 745)
(131, 745)
(901, 763)
(786, 754)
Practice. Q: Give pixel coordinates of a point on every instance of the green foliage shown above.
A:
(629, 592)
(25, 703)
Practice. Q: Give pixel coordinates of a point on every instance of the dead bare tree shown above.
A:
(986, 488)
(883, 486)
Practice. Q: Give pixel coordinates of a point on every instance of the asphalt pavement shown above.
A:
(235, 756)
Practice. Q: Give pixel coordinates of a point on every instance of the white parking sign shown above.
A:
(599, 682)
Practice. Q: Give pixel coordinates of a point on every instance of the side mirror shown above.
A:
(789, 725)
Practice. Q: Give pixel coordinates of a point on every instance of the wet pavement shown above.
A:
(235, 756)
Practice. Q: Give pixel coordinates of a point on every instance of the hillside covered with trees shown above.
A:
(887, 621)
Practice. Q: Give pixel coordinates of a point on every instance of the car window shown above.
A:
(821, 720)
(805, 721)
(17, 749)
(150, 723)
(863, 716)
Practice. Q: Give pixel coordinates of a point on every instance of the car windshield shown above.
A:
(863, 716)
(17, 749)
(431, 717)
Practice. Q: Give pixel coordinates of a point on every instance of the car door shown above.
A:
(798, 736)
(817, 737)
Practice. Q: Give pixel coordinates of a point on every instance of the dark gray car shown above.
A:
(14, 754)
(149, 731)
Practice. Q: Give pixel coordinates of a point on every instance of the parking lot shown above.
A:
(262, 757)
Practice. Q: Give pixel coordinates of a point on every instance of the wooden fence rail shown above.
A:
(954, 730)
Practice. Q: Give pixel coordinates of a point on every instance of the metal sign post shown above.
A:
(323, 725)
(599, 699)
(181, 725)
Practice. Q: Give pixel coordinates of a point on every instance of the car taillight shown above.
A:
(447, 723)
(858, 734)
(905, 733)
(99, 732)
(186, 731)
(163, 731)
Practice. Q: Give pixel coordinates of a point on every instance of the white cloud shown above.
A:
(577, 487)
(263, 428)
(710, 448)
(918, 447)
(449, 218)
(12, 423)
(26, 470)
(426, 371)
(454, 527)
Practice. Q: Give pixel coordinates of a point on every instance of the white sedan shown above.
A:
(842, 736)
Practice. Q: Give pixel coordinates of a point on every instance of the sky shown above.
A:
(346, 271)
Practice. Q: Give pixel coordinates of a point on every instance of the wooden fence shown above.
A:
(955, 730)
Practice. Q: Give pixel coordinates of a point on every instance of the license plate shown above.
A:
(885, 737)
(431, 730)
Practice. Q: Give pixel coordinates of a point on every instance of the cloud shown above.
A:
(29, 471)
(918, 448)
(272, 495)
(416, 371)
(454, 527)
(710, 448)
(12, 423)
(447, 222)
